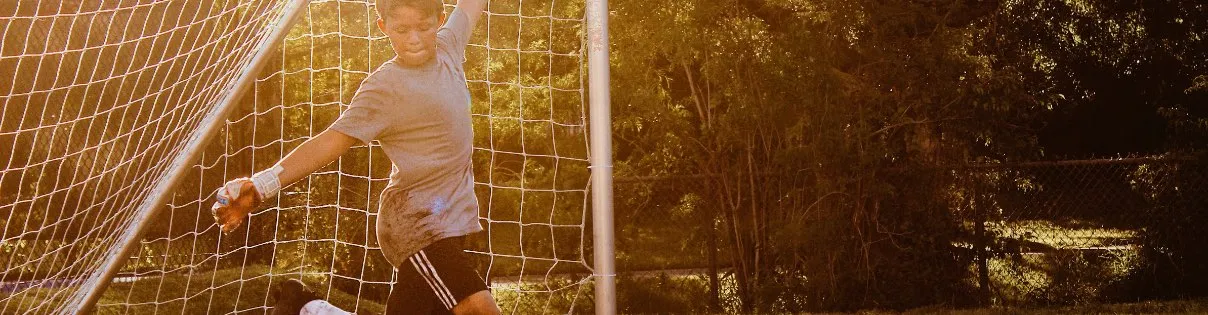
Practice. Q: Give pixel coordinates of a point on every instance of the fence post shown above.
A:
(979, 242)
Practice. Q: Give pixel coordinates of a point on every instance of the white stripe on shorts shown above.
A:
(423, 272)
(440, 283)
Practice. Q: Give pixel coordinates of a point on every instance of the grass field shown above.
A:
(245, 293)
(214, 292)
(236, 291)
(1197, 306)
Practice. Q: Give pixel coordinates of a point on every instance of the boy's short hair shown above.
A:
(429, 7)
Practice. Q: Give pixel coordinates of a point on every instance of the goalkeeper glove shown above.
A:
(240, 196)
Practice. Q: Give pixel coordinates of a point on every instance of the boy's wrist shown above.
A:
(268, 182)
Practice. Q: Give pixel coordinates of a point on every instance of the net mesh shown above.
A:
(105, 91)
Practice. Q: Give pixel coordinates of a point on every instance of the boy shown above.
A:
(417, 107)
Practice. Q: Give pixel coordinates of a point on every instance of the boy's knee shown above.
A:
(479, 303)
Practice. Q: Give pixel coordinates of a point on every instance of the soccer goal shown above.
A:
(121, 117)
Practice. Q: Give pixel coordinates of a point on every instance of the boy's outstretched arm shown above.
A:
(473, 10)
(314, 154)
(242, 195)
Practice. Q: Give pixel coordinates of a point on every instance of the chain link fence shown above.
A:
(1008, 234)
(1086, 231)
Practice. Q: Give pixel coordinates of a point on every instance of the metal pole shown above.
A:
(601, 157)
(209, 126)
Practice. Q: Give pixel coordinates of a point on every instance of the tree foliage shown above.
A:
(802, 115)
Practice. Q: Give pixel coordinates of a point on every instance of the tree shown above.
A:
(795, 113)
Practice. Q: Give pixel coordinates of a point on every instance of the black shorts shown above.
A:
(434, 280)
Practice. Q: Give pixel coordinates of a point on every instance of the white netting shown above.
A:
(103, 92)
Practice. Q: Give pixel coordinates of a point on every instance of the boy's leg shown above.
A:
(477, 303)
(437, 279)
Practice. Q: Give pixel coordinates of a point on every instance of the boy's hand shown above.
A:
(235, 200)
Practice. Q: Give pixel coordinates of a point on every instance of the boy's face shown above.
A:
(412, 34)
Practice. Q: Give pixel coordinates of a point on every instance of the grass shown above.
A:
(246, 290)
(214, 292)
(1195, 306)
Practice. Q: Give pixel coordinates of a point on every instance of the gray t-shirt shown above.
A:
(421, 117)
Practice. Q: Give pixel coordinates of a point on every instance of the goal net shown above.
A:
(100, 96)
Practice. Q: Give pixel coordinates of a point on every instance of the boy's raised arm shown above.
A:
(473, 10)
